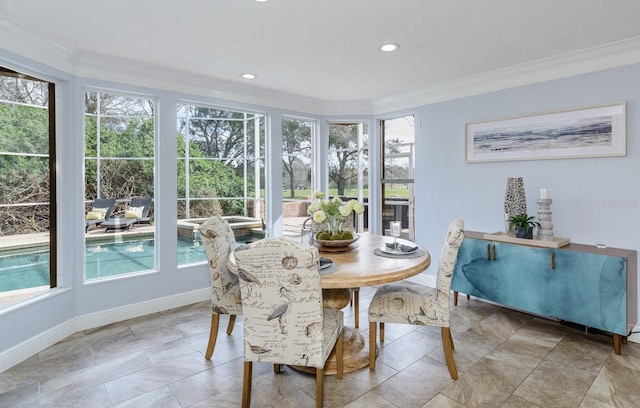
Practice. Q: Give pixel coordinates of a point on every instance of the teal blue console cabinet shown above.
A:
(576, 283)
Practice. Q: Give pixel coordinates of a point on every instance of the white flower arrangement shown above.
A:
(333, 211)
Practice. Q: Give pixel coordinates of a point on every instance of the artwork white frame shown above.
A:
(595, 131)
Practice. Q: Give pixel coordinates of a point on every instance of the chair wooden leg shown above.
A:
(447, 344)
(213, 335)
(340, 355)
(277, 368)
(356, 306)
(455, 298)
(246, 384)
(381, 332)
(319, 386)
(372, 345)
(232, 322)
(453, 346)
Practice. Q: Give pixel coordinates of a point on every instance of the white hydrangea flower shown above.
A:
(356, 206)
(313, 207)
(345, 210)
(319, 216)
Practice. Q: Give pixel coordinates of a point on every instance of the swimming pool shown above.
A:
(31, 269)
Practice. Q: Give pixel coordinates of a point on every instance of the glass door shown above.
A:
(398, 156)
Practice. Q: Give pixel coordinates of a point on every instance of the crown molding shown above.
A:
(25, 43)
(350, 108)
(153, 76)
(612, 55)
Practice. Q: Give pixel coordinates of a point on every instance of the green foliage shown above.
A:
(24, 129)
(209, 179)
(343, 166)
(24, 162)
(296, 153)
(524, 221)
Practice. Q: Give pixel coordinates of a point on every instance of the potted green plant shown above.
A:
(524, 225)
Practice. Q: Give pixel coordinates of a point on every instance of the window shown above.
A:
(397, 172)
(27, 174)
(348, 163)
(120, 135)
(220, 172)
(297, 172)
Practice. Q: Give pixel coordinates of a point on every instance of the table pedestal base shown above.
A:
(355, 354)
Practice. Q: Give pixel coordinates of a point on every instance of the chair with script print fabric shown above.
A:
(284, 320)
(409, 303)
(218, 240)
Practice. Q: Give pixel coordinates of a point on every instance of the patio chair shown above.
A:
(100, 212)
(136, 212)
(143, 205)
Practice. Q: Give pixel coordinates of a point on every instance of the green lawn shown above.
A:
(302, 194)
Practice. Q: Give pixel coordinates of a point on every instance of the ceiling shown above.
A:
(326, 50)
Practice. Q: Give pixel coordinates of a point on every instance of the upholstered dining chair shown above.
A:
(218, 241)
(409, 303)
(283, 316)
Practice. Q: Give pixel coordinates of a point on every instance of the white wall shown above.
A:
(595, 200)
(581, 188)
(446, 187)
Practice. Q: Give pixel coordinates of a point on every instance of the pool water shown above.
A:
(21, 271)
(31, 269)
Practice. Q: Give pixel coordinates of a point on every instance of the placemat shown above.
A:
(334, 267)
(416, 254)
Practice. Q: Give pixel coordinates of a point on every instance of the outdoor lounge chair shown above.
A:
(100, 212)
(136, 212)
(145, 203)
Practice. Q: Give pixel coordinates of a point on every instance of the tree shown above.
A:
(24, 161)
(209, 180)
(215, 136)
(296, 142)
(343, 141)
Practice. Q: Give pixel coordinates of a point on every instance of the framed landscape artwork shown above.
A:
(585, 132)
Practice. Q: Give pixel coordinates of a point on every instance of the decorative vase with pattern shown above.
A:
(515, 201)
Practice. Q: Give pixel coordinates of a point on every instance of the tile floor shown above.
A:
(504, 359)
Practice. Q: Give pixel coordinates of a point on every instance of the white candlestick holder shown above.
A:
(545, 232)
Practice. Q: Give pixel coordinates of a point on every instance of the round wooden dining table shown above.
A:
(358, 266)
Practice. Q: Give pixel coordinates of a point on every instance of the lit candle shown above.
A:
(544, 194)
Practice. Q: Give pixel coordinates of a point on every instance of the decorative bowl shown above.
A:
(338, 243)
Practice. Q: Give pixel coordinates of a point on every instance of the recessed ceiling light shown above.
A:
(389, 47)
(249, 76)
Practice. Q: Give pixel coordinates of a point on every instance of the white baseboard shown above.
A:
(423, 279)
(141, 309)
(36, 344)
